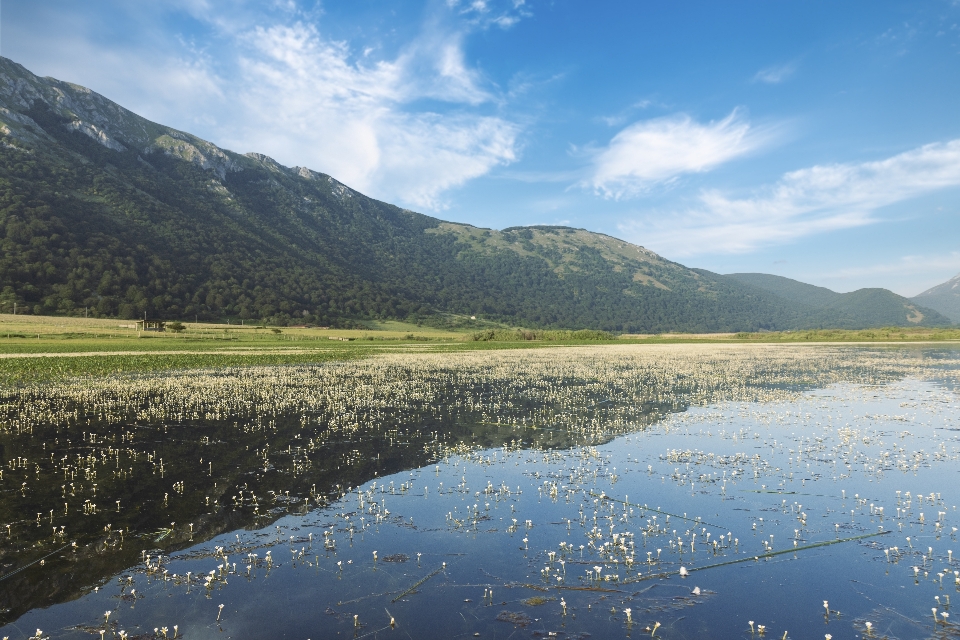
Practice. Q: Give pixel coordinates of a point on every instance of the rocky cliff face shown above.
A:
(102, 120)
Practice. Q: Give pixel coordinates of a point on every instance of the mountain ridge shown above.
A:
(863, 308)
(105, 212)
(944, 297)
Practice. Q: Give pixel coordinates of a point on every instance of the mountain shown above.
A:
(945, 298)
(104, 212)
(793, 290)
(857, 309)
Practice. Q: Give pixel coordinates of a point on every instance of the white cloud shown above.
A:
(425, 155)
(802, 203)
(433, 67)
(775, 74)
(487, 12)
(657, 151)
(306, 100)
(310, 100)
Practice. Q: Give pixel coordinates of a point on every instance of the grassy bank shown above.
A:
(885, 334)
(40, 348)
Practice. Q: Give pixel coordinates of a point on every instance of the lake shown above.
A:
(670, 491)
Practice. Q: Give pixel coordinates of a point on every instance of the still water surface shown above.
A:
(679, 492)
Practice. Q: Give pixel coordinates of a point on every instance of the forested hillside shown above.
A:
(103, 212)
(863, 308)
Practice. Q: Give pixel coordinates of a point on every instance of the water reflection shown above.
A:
(552, 506)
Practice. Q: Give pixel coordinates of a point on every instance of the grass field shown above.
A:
(42, 348)
(35, 348)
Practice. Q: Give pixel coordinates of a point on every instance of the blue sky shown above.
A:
(815, 140)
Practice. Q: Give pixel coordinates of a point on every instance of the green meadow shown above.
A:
(34, 348)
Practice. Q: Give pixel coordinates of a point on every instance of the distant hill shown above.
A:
(788, 289)
(106, 213)
(863, 308)
(945, 298)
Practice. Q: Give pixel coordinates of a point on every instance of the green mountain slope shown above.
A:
(104, 212)
(857, 309)
(945, 298)
(794, 290)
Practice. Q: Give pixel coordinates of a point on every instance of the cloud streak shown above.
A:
(487, 13)
(658, 151)
(814, 200)
(912, 264)
(775, 74)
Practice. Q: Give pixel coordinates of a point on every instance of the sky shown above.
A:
(814, 140)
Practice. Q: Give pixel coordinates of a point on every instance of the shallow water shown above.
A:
(625, 470)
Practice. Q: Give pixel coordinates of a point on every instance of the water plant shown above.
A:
(562, 442)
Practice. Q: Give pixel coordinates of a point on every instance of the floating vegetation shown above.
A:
(669, 490)
(397, 557)
(537, 601)
(516, 618)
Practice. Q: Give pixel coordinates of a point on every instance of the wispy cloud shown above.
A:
(619, 118)
(656, 151)
(492, 13)
(306, 98)
(775, 74)
(802, 203)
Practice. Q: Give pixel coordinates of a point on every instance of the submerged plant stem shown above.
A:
(418, 583)
(769, 554)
